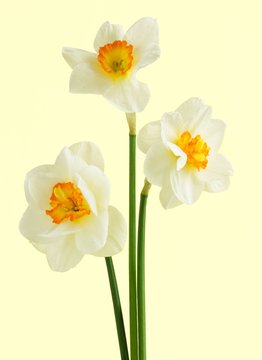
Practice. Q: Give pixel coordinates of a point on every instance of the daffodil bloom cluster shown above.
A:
(181, 154)
(68, 212)
(111, 70)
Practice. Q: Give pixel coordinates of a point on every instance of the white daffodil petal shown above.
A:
(40, 246)
(93, 235)
(89, 152)
(167, 196)
(128, 95)
(37, 226)
(63, 254)
(108, 33)
(158, 164)
(144, 36)
(181, 162)
(218, 163)
(77, 56)
(218, 184)
(34, 223)
(212, 131)
(216, 175)
(38, 186)
(172, 126)
(65, 228)
(87, 193)
(186, 185)
(67, 164)
(88, 79)
(149, 135)
(117, 234)
(98, 185)
(194, 112)
(182, 157)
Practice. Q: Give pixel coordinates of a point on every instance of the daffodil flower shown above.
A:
(68, 212)
(111, 70)
(181, 154)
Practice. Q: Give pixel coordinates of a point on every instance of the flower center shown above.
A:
(67, 202)
(116, 58)
(195, 148)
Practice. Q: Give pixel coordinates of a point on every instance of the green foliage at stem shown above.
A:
(141, 272)
(117, 309)
(132, 248)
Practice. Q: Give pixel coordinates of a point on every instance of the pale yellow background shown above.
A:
(204, 262)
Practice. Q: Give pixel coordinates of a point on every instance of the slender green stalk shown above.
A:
(117, 309)
(131, 118)
(141, 272)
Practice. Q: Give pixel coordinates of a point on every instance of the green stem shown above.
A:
(141, 272)
(131, 118)
(117, 309)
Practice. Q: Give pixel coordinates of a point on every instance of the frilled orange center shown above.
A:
(67, 202)
(116, 58)
(195, 148)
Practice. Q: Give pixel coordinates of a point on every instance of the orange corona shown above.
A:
(195, 148)
(116, 58)
(67, 202)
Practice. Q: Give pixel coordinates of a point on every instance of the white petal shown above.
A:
(144, 36)
(97, 183)
(212, 132)
(158, 164)
(77, 56)
(37, 226)
(87, 193)
(39, 246)
(149, 135)
(167, 196)
(63, 254)
(186, 185)
(117, 234)
(67, 165)
(88, 79)
(128, 95)
(89, 152)
(39, 183)
(182, 157)
(108, 33)
(194, 112)
(216, 175)
(34, 223)
(172, 126)
(93, 235)
(65, 228)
